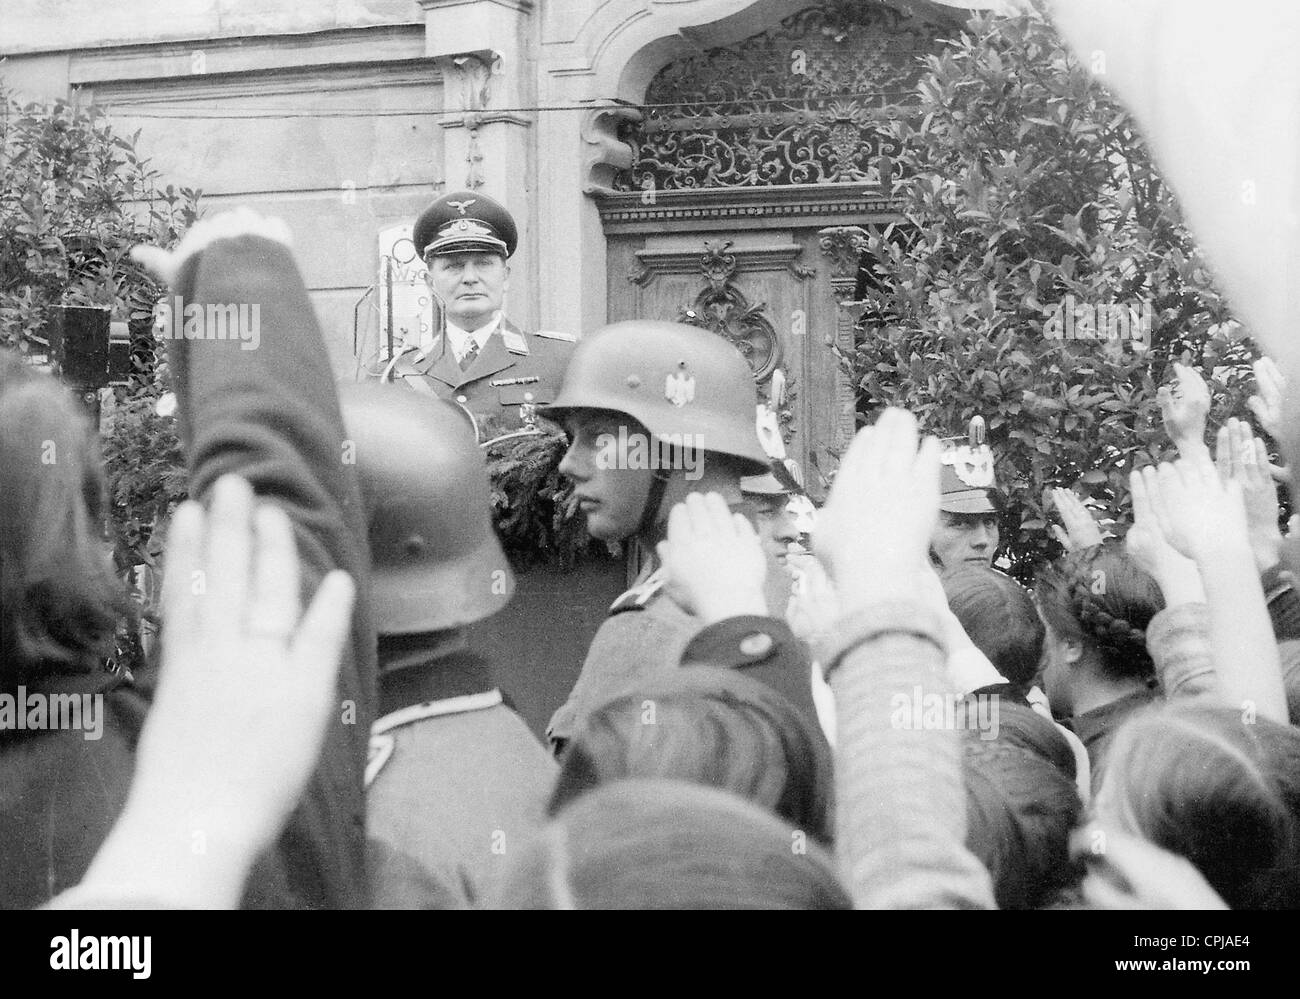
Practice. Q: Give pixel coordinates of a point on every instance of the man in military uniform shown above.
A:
(455, 779)
(479, 360)
(635, 393)
(970, 506)
(767, 504)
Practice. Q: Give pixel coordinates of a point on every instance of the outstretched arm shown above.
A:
(1178, 638)
(1204, 519)
(261, 404)
(222, 761)
(901, 806)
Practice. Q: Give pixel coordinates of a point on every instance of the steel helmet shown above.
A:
(436, 562)
(681, 383)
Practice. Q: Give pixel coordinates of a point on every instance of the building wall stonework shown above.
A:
(323, 114)
(348, 116)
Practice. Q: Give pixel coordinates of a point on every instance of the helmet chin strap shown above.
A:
(650, 516)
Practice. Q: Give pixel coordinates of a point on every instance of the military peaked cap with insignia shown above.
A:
(465, 222)
(967, 482)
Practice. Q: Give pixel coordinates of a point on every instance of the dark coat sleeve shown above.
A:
(271, 414)
(61, 791)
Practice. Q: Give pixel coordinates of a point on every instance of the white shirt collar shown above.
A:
(460, 339)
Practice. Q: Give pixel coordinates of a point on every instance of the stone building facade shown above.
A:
(713, 159)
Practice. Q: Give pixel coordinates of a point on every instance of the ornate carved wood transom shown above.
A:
(806, 102)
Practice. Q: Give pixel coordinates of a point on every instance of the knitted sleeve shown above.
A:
(901, 814)
(1178, 639)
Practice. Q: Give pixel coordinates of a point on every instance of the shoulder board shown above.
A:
(514, 341)
(553, 335)
(640, 595)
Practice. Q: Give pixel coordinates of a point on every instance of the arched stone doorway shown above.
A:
(756, 167)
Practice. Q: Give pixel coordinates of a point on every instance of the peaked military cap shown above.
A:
(465, 222)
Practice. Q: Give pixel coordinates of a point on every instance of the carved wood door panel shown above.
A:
(772, 294)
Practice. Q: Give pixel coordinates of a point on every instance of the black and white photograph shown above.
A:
(651, 455)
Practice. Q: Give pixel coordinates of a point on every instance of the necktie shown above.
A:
(470, 356)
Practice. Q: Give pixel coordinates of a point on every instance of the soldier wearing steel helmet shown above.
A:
(479, 360)
(768, 504)
(971, 503)
(686, 398)
(455, 776)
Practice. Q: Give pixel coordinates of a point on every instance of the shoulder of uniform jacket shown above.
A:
(629, 601)
(554, 335)
(638, 596)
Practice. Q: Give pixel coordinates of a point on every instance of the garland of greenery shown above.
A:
(533, 507)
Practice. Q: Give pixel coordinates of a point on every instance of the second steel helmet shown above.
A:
(685, 385)
(436, 562)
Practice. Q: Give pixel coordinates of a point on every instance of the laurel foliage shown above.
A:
(533, 508)
(1027, 187)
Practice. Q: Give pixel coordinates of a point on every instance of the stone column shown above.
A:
(482, 48)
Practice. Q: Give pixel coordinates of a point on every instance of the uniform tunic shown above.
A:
(645, 635)
(456, 780)
(648, 634)
(512, 368)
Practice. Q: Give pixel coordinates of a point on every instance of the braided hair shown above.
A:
(1100, 597)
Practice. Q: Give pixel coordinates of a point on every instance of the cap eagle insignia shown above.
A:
(460, 206)
(973, 465)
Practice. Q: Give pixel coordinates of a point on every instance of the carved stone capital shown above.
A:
(468, 77)
(844, 245)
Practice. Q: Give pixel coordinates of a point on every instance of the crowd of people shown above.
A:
(887, 721)
(906, 731)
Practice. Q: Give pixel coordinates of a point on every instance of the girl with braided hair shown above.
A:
(1096, 604)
